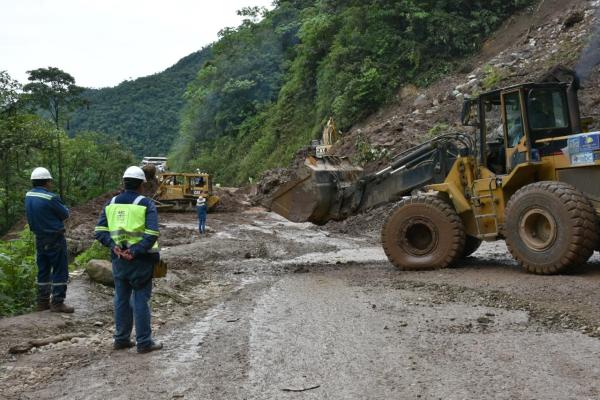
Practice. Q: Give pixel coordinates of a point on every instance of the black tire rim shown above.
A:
(419, 236)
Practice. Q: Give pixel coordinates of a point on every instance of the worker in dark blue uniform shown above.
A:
(202, 210)
(46, 215)
(128, 225)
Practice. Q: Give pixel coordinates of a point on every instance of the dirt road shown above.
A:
(262, 308)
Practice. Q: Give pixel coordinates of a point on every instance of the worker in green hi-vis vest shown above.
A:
(129, 226)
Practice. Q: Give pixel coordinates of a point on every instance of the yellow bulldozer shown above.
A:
(179, 191)
(528, 176)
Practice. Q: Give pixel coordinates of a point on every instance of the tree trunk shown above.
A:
(6, 172)
(61, 189)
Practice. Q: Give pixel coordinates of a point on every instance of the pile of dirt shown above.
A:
(176, 236)
(368, 223)
(269, 182)
(231, 199)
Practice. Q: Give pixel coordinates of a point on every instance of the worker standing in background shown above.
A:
(128, 225)
(202, 210)
(46, 215)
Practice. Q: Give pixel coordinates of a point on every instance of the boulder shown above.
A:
(100, 271)
(421, 101)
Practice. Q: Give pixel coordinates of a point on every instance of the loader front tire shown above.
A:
(550, 227)
(423, 232)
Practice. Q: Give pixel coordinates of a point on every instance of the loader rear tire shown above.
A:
(424, 232)
(550, 227)
(471, 246)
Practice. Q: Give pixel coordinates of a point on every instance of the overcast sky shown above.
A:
(104, 42)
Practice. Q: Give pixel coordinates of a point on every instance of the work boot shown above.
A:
(123, 345)
(61, 307)
(43, 304)
(153, 347)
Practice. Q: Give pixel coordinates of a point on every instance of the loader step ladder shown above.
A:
(478, 204)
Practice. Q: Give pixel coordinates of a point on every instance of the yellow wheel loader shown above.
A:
(528, 176)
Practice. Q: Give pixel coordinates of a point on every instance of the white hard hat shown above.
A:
(40, 173)
(201, 200)
(135, 173)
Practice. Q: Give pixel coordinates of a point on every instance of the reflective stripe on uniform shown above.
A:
(59, 284)
(151, 232)
(39, 195)
(137, 200)
(122, 232)
(101, 228)
(44, 283)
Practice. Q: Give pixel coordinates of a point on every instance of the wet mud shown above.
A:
(261, 308)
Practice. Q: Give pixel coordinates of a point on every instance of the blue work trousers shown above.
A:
(202, 218)
(53, 268)
(132, 304)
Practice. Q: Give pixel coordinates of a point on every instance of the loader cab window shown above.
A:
(514, 119)
(548, 113)
(494, 136)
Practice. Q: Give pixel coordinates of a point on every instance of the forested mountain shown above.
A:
(142, 113)
(272, 82)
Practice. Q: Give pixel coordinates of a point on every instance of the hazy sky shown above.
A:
(103, 42)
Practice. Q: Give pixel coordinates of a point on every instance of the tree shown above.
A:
(9, 92)
(54, 90)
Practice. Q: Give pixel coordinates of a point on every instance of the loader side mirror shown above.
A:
(466, 115)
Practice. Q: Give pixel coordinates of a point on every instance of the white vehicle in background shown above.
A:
(159, 162)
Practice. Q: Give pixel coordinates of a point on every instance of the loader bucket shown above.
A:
(314, 196)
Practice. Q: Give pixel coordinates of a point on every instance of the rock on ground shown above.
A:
(100, 271)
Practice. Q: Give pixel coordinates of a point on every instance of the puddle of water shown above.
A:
(343, 256)
(224, 235)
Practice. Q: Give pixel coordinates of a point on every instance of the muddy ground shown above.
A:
(260, 308)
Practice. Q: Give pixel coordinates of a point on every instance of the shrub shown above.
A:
(95, 252)
(17, 274)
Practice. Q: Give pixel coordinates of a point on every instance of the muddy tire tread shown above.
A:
(458, 240)
(585, 234)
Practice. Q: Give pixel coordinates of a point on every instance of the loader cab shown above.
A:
(513, 123)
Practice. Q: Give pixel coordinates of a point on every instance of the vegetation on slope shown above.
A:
(92, 162)
(271, 83)
(142, 113)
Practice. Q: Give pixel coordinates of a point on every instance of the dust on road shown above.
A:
(262, 308)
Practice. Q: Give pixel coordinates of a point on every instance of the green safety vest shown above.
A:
(127, 223)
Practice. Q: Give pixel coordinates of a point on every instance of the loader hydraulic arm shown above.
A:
(331, 189)
(425, 164)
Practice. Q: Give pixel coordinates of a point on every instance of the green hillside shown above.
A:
(271, 83)
(142, 113)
